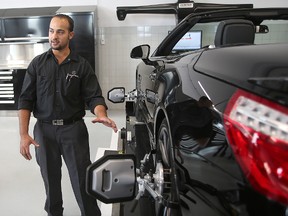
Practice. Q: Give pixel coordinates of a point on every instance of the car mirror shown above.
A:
(112, 178)
(140, 52)
(116, 95)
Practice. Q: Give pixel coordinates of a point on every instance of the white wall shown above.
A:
(42, 3)
(107, 9)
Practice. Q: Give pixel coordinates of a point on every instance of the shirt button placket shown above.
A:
(57, 92)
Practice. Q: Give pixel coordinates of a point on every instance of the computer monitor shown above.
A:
(190, 41)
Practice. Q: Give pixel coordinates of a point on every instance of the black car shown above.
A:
(208, 119)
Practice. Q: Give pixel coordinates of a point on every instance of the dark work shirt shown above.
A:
(54, 91)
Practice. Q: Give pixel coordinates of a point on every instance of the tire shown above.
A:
(162, 163)
(164, 172)
(164, 184)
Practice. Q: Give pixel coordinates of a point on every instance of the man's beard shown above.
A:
(58, 46)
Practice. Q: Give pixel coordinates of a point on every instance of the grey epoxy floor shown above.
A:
(21, 187)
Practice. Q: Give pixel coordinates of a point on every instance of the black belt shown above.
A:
(60, 121)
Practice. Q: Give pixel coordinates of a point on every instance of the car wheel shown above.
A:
(161, 167)
(163, 177)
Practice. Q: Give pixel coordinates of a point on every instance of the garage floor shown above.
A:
(21, 187)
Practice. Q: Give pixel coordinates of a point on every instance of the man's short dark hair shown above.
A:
(68, 18)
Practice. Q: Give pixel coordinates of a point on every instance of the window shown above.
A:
(190, 41)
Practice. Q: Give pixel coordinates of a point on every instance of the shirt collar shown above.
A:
(72, 56)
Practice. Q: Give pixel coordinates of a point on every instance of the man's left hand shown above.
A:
(106, 121)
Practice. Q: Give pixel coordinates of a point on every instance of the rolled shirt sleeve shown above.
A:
(27, 97)
(93, 92)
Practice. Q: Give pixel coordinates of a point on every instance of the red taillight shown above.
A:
(257, 130)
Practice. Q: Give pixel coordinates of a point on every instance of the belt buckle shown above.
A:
(58, 122)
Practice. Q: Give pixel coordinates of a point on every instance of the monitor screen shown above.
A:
(190, 41)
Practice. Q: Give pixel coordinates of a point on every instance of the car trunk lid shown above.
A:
(256, 68)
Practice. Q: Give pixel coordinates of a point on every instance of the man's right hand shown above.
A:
(25, 143)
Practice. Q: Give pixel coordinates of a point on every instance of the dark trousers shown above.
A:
(71, 143)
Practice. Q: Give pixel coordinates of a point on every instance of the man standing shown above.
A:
(57, 86)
